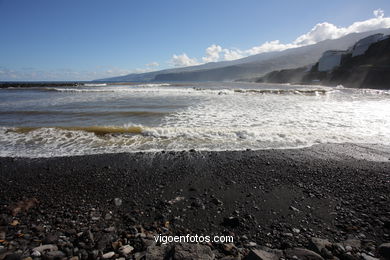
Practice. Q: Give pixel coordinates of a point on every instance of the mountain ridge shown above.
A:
(251, 66)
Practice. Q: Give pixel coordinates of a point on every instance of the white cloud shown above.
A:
(212, 53)
(379, 13)
(153, 64)
(232, 54)
(320, 32)
(183, 60)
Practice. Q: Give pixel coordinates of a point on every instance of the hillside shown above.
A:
(370, 70)
(249, 67)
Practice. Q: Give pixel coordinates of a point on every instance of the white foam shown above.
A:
(221, 119)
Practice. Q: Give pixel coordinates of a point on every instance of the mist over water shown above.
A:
(62, 121)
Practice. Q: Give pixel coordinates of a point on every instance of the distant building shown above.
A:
(330, 60)
(361, 46)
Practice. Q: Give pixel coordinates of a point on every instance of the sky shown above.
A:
(92, 39)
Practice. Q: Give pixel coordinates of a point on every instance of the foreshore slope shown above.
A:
(87, 206)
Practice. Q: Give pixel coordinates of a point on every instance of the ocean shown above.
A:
(103, 118)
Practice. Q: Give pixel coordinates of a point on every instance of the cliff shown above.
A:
(370, 70)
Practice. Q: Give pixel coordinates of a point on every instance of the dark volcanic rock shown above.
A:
(192, 251)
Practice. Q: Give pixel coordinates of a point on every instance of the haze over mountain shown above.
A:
(251, 66)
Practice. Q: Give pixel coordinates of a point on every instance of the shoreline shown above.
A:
(279, 199)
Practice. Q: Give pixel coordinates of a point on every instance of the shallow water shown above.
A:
(48, 121)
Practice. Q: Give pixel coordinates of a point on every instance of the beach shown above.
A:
(268, 200)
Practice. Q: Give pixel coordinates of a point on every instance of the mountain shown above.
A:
(369, 70)
(249, 67)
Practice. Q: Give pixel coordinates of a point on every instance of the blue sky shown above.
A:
(83, 40)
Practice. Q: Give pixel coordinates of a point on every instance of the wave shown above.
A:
(95, 84)
(90, 114)
(97, 130)
(81, 140)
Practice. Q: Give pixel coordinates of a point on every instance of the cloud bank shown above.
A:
(320, 32)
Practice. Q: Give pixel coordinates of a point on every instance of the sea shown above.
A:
(103, 118)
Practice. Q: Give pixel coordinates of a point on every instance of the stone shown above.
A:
(50, 239)
(232, 222)
(36, 253)
(348, 256)
(368, 257)
(384, 250)
(302, 254)
(125, 250)
(108, 255)
(147, 242)
(55, 254)
(118, 202)
(326, 253)
(155, 252)
(257, 254)
(192, 251)
(110, 229)
(354, 243)
(294, 209)
(230, 248)
(48, 247)
(317, 244)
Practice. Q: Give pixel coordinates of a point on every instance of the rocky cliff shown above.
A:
(370, 70)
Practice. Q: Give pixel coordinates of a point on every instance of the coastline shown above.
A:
(277, 198)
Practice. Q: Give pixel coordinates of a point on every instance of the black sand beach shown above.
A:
(87, 206)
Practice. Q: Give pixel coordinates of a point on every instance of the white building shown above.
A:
(361, 46)
(330, 60)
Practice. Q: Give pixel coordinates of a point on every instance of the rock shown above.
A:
(317, 244)
(192, 251)
(74, 258)
(44, 248)
(384, 250)
(354, 243)
(148, 242)
(155, 252)
(302, 254)
(368, 257)
(217, 202)
(28, 258)
(257, 254)
(36, 253)
(326, 253)
(109, 229)
(294, 209)
(230, 249)
(348, 256)
(55, 254)
(232, 222)
(51, 239)
(118, 202)
(295, 230)
(125, 250)
(108, 255)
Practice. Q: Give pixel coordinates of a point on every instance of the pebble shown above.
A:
(108, 255)
(125, 250)
(118, 202)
